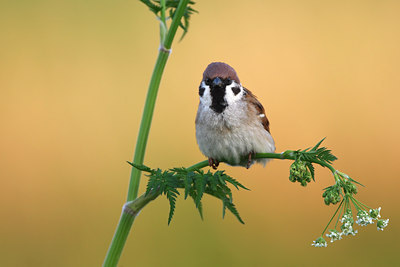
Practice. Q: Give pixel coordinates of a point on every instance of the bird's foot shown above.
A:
(249, 160)
(213, 163)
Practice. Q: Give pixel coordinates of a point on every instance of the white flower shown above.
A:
(347, 218)
(348, 230)
(319, 243)
(334, 235)
(347, 226)
(363, 218)
(382, 224)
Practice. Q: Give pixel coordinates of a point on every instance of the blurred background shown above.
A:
(73, 79)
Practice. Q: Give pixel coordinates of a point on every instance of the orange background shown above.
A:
(73, 79)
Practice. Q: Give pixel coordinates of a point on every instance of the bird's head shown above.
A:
(220, 87)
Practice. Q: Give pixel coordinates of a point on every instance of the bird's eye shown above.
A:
(228, 81)
(208, 81)
(201, 91)
(236, 90)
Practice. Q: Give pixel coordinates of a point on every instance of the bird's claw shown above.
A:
(249, 160)
(213, 163)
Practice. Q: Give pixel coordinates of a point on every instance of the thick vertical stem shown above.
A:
(151, 100)
(146, 122)
(126, 220)
(119, 239)
(130, 211)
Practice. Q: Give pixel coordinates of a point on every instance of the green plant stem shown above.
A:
(127, 218)
(145, 124)
(130, 211)
(285, 155)
(151, 100)
(289, 155)
(119, 239)
(326, 227)
(131, 208)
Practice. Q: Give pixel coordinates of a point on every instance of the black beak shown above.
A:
(217, 82)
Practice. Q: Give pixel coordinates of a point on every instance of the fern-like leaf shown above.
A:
(312, 170)
(171, 196)
(171, 6)
(195, 184)
(199, 206)
(231, 207)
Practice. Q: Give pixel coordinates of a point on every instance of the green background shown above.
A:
(73, 79)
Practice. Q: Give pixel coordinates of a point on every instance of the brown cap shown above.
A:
(222, 70)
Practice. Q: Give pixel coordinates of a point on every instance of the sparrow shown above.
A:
(231, 124)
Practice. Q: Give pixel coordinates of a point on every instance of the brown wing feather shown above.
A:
(258, 107)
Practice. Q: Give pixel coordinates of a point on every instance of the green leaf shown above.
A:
(318, 144)
(312, 170)
(188, 181)
(195, 184)
(170, 7)
(171, 196)
(153, 7)
(199, 182)
(231, 207)
(235, 182)
(355, 181)
(140, 167)
(326, 155)
(199, 207)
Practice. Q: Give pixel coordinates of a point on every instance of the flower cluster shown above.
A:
(382, 224)
(347, 223)
(319, 243)
(300, 173)
(348, 186)
(334, 235)
(363, 218)
(332, 194)
(375, 214)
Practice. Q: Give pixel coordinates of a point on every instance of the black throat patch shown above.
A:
(218, 102)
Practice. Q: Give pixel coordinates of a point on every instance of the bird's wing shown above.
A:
(260, 112)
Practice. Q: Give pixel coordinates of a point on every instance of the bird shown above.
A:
(231, 125)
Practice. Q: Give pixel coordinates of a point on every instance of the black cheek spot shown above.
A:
(201, 91)
(236, 90)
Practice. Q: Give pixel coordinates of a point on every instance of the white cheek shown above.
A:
(230, 97)
(206, 98)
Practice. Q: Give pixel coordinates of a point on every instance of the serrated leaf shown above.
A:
(171, 196)
(312, 170)
(199, 207)
(199, 185)
(195, 184)
(140, 167)
(235, 182)
(318, 144)
(188, 181)
(231, 207)
(355, 181)
(153, 7)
